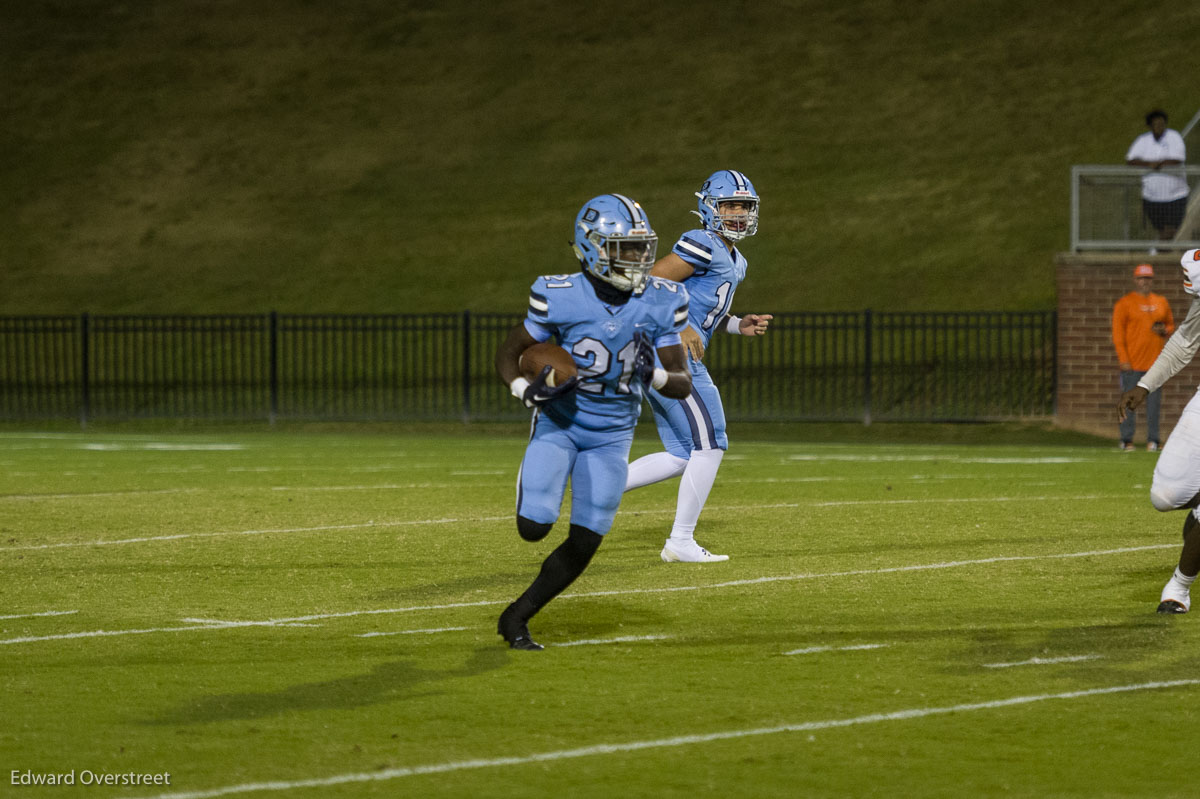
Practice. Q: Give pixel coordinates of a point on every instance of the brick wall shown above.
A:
(1088, 377)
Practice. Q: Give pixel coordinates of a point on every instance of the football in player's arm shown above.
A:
(692, 430)
(1176, 483)
(614, 319)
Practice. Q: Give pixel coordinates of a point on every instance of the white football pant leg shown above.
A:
(1177, 473)
(654, 468)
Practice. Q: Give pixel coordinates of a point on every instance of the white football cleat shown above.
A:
(1175, 598)
(688, 552)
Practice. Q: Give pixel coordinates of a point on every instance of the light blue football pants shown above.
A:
(595, 462)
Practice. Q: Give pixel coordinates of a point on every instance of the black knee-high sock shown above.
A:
(559, 569)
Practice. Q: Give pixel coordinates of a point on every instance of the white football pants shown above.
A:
(1177, 473)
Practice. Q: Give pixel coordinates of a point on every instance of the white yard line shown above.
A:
(924, 458)
(315, 529)
(382, 487)
(90, 494)
(1035, 661)
(509, 517)
(162, 446)
(812, 650)
(242, 489)
(413, 632)
(217, 624)
(955, 500)
(43, 613)
(622, 639)
(209, 625)
(661, 743)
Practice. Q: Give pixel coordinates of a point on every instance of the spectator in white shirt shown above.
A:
(1164, 190)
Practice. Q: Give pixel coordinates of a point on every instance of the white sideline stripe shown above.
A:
(1035, 661)
(413, 632)
(622, 639)
(43, 613)
(660, 743)
(621, 592)
(508, 517)
(815, 649)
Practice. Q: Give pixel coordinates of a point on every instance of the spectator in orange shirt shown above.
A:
(1141, 323)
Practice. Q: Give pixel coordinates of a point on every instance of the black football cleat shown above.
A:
(516, 632)
(1171, 606)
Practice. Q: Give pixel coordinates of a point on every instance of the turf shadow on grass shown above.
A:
(393, 681)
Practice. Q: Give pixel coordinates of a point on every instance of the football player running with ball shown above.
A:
(613, 318)
(1176, 481)
(692, 428)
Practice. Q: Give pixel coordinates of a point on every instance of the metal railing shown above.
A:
(1106, 210)
(858, 366)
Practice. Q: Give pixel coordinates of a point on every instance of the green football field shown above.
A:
(313, 615)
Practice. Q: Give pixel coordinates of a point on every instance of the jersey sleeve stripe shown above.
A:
(538, 304)
(681, 314)
(693, 251)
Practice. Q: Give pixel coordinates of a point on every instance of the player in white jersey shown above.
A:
(1176, 482)
(692, 429)
(614, 319)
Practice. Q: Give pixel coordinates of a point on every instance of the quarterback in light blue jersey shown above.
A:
(614, 319)
(708, 262)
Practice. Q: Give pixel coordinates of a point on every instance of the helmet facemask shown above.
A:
(733, 225)
(625, 262)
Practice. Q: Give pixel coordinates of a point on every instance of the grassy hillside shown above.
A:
(379, 156)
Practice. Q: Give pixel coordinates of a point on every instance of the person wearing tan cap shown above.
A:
(1176, 483)
(1141, 322)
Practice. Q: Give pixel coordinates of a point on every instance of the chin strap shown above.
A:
(607, 292)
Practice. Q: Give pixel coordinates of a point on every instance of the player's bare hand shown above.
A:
(754, 324)
(1130, 400)
(1160, 328)
(693, 343)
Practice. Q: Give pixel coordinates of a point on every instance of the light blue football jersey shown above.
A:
(600, 338)
(717, 276)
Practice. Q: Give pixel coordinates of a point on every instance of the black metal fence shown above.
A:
(859, 366)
